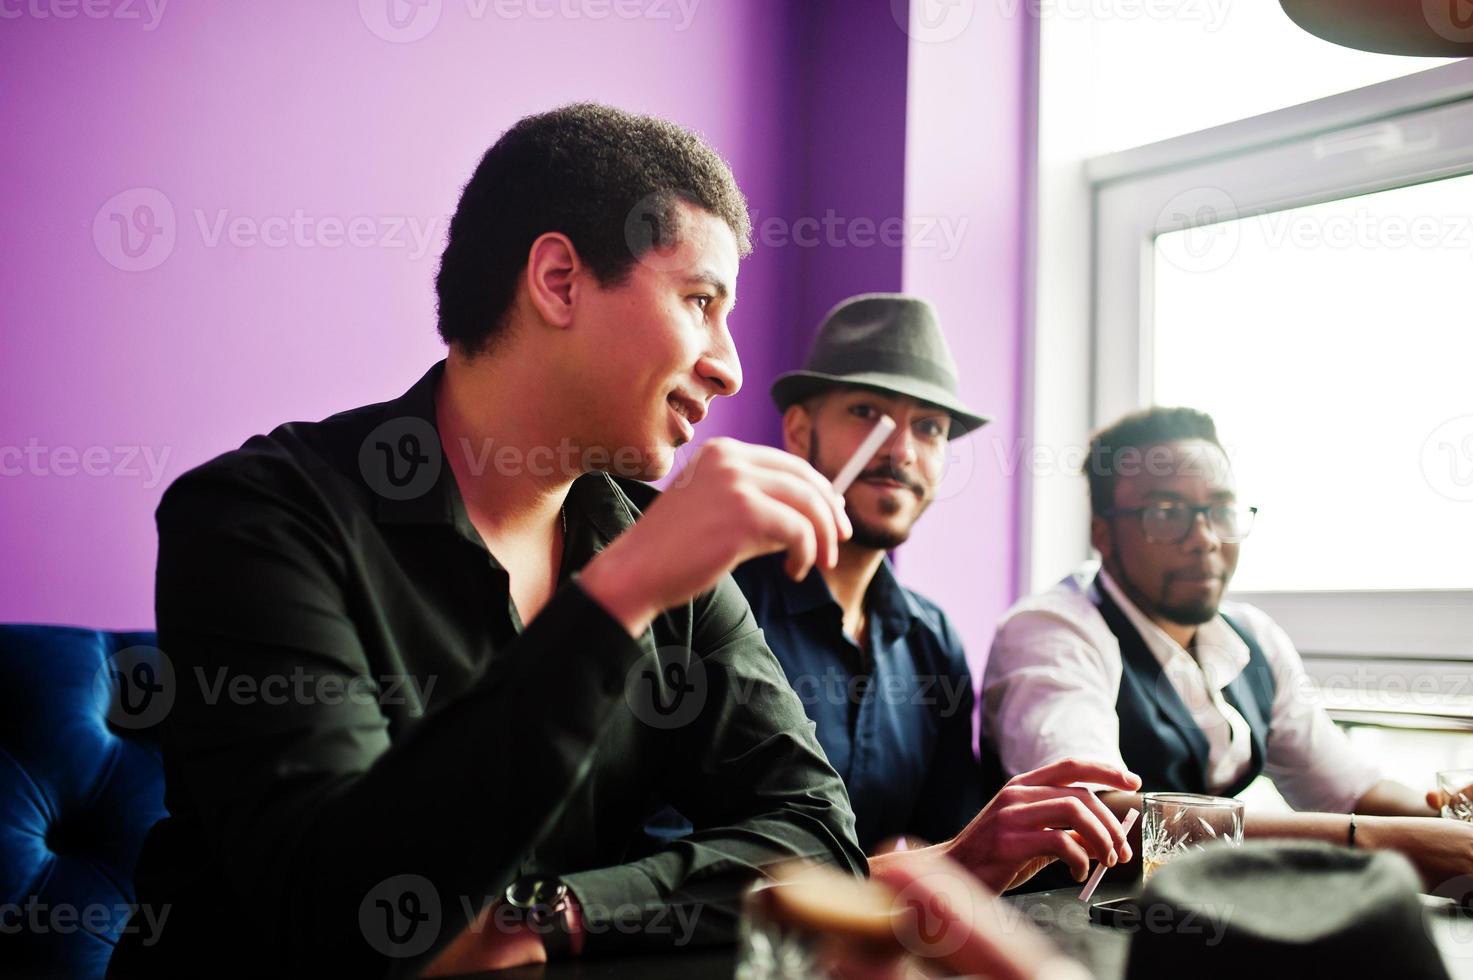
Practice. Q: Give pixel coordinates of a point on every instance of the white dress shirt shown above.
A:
(1053, 677)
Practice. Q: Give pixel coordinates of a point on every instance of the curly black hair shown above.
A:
(1139, 430)
(608, 179)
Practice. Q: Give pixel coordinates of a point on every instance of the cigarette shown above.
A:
(1094, 879)
(863, 454)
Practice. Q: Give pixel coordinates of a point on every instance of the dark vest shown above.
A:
(1159, 741)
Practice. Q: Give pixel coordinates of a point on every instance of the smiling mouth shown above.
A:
(683, 418)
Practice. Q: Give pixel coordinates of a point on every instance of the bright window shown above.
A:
(1333, 344)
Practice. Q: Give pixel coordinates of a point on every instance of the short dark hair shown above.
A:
(1138, 430)
(580, 170)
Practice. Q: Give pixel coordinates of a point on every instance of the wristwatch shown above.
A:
(542, 904)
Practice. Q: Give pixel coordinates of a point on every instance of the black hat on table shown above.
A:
(1284, 909)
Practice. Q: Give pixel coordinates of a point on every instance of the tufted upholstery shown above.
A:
(81, 783)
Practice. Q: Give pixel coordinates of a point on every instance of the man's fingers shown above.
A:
(1067, 812)
(801, 497)
(1065, 846)
(1096, 806)
(767, 457)
(1067, 771)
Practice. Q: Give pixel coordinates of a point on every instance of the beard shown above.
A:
(1189, 614)
(867, 534)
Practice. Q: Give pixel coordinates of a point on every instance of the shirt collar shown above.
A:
(597, 510)
(885, 598)
(1218, 648)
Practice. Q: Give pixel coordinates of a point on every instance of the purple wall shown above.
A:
(300, 161)
(966, 171)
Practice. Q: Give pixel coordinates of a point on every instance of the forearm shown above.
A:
(690, 893)
(1389, 798)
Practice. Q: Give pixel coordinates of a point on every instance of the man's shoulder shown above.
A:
(295, 460)
(1067, 601)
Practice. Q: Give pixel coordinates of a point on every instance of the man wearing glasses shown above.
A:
(1142, 664)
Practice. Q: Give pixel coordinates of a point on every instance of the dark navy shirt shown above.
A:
(895, 718)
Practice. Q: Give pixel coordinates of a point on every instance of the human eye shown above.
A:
(702, 301)
(932, 428)
(863, 410)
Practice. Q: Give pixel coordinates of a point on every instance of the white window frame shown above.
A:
(1404, 131)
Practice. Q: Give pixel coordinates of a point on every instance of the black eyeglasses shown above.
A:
(1171, 523)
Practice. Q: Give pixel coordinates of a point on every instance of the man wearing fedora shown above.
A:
(878, 668)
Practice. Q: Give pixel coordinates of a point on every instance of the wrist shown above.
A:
(573, 923)
(617, 590)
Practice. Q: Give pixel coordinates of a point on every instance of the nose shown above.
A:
(1202, 536)
(900, 448)
(720, 366)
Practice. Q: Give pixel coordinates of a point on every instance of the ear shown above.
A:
(1099, 536)
(797, 430)
(553, 269)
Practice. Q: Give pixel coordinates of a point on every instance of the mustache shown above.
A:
(886, 472)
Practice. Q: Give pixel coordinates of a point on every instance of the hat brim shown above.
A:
(796, 386)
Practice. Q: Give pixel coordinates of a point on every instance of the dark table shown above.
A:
(1059, 914)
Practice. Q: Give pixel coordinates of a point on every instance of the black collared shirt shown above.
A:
(894, 717)
(365, 745)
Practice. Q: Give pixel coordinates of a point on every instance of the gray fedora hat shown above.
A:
(886, 341)
(1301, 909)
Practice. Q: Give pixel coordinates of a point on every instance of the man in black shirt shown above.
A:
(430, 678)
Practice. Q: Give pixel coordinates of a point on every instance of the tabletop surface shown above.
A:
(1059, 914)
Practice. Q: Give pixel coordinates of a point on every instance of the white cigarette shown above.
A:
(1094, 879)
(864, 453)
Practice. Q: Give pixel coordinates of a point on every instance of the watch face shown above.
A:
(540, 896)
